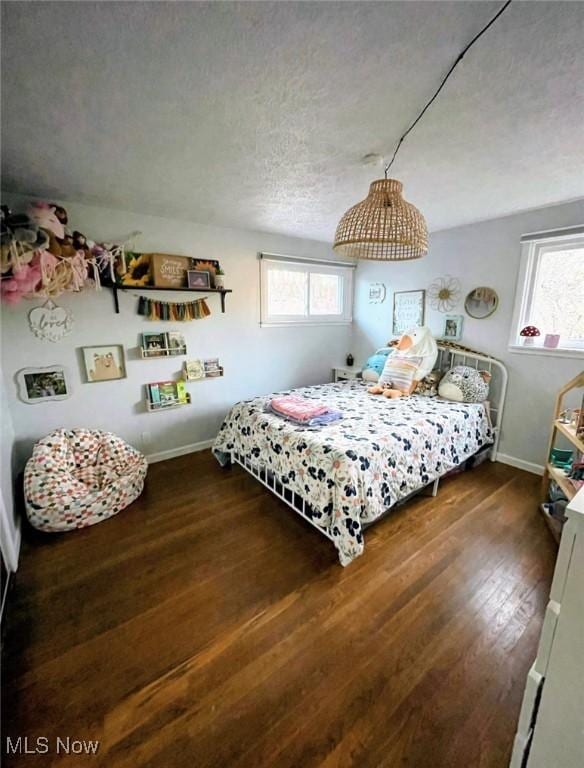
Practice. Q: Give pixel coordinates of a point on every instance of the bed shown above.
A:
(344, 476)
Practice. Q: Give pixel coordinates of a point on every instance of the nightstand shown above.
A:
(344, 373)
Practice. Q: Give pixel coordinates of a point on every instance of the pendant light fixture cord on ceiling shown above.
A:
(443, 83)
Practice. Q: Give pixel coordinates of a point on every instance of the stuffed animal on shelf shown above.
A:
(414, 358)
(464, 384)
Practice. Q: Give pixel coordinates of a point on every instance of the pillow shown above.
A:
(399, 372)
(465, 385)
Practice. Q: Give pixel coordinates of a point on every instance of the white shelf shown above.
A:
(148, 354)
(155, 408)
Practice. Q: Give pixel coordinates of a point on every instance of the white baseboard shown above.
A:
(181, 451)
(528, 466)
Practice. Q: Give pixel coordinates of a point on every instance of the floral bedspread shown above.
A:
(350, 472)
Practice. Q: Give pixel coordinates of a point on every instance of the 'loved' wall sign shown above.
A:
(50, 322)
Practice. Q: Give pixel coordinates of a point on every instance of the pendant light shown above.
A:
(384, 226)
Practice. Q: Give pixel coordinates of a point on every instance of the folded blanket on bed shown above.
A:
(316, 421)
(300, 410)
(295, 407)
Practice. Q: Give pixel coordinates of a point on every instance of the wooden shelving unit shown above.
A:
(222, 292)
(551, 472)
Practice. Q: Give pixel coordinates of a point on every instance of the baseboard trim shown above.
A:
(181, 451)
(528, 466)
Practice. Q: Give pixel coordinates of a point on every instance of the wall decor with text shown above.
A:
(50, 322)
(408, 310)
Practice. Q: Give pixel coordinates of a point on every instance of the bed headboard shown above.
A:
(449, 357)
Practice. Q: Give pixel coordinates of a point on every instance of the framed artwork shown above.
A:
(199, 278)
(104, 363)
(481, 302)
(40, 385)
(408, 310)
(452, 330)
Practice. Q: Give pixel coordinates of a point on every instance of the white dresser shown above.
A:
(550, 733)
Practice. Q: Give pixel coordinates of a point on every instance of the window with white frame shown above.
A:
(305, 291)
(550, 293)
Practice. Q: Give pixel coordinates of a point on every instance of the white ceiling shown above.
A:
(256, 115)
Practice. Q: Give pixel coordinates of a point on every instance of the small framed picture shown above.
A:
(452, 327)
(39, 385)
(199, 278)
(104, 363)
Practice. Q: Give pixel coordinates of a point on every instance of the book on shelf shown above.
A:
(161, 394)
(194, 370)
(154, 344)
(212, 367)
(176, 342)
(162, 344)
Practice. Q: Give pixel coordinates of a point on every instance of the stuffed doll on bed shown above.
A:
(414, 358)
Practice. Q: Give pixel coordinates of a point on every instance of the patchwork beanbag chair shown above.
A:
(80, 477)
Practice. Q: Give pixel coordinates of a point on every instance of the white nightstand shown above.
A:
(344, 373)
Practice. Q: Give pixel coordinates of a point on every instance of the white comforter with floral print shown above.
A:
(352, 471)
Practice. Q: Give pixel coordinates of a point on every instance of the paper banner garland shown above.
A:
(170, 310)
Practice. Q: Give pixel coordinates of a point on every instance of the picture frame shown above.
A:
(452, 330)
(105, 362)
(408, 310)
(41, 385)
(199, 278)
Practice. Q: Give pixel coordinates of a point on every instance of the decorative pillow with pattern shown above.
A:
(465, 385)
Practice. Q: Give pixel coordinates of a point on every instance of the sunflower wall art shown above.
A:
(444, 293)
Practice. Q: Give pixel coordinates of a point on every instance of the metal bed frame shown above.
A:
(447, 358)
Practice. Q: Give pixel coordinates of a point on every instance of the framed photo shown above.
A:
(39, 385)
(408, 310)
(104, 363)
(452, 330)
(199, 278)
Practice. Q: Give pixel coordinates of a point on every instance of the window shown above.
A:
(550, 292)
(295, 291)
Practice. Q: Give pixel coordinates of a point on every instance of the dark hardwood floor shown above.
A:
(208, 625)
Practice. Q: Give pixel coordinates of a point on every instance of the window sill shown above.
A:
(541, 350)
(333, 324)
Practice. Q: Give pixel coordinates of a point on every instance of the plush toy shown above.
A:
(374, 366)
(465, 385)
(428, 387)
(414, 358)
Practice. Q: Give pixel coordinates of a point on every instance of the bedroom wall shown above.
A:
(488, 254)
(256, 360)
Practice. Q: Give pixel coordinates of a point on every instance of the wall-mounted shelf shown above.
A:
(141, 288)
(148, 354)
(151, 408)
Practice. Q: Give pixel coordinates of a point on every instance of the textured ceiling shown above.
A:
(256, 115)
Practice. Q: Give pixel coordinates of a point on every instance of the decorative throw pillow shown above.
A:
(465, 385)
(399, 372)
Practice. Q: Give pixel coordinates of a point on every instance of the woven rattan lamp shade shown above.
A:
(383, 226)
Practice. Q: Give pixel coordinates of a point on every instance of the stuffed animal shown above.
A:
(374, 366)
(414, 358)
(465, 385)
(428, 387)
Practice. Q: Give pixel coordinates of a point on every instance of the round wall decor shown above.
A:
(481, 302)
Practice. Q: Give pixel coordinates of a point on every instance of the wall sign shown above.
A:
(408, 311)
(376, 293)
(50, 322)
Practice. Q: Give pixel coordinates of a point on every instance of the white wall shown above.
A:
(481, 254)
(256, 360)
(9, 521)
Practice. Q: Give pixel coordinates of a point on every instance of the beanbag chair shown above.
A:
(80, 477)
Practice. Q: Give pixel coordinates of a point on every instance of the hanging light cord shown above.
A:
(443, 83)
